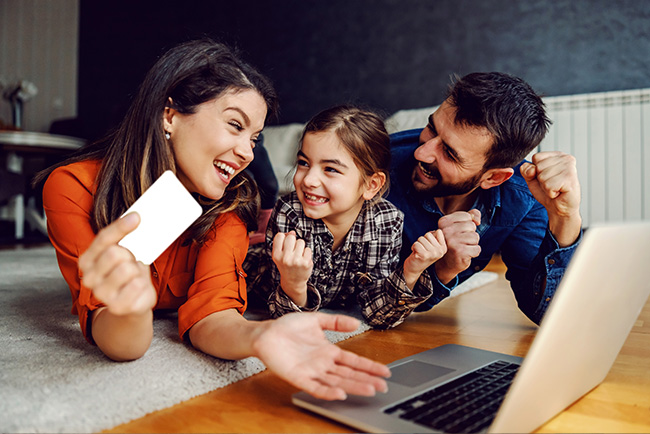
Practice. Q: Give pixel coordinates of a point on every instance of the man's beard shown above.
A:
(442, 189)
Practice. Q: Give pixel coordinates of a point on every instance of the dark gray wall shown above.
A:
(389, 54)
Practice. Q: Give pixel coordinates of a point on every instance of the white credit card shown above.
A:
(166, 209)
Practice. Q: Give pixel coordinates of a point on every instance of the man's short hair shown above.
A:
(508, 107)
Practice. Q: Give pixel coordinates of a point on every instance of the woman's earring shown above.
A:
(167, 135)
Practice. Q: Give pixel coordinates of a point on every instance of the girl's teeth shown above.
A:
(224, 167)
(315, 198)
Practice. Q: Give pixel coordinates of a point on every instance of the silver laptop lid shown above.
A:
(594, 308)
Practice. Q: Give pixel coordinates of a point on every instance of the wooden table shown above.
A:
(485, 318)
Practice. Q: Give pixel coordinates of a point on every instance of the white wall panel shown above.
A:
(39, 41)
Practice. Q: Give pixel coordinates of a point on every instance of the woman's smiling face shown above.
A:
(216, 142)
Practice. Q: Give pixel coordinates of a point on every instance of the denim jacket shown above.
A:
(512, 223)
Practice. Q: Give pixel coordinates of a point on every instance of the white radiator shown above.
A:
(609, 134)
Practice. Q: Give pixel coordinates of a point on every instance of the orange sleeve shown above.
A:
(67, 200)
(219, 279)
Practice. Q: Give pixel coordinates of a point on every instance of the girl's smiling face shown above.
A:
(328, 182)
(216, 142)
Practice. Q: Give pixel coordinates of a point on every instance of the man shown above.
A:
(463, 174)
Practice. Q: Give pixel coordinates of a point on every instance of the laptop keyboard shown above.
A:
(467, 404)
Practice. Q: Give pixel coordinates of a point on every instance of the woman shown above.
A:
(198, 113)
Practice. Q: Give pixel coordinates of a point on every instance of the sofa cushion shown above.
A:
(281, 143)
(408, 119)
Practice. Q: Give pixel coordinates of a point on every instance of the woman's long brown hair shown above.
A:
(136, 153)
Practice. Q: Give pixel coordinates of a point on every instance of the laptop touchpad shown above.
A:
(414, 373)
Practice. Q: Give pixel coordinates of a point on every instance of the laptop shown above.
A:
(594, 308)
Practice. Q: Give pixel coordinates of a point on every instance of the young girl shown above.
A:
(335, 241)
(198, 113)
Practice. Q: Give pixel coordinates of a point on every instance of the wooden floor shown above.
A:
(487, 318)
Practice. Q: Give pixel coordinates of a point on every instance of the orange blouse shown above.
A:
(195, 280)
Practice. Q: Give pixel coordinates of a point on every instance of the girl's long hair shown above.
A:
(136, 153)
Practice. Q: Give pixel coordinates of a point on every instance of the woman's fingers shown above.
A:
(108, 236)
(112, 273)
(96, 273)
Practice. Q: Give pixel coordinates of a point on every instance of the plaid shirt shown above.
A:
(363, 270)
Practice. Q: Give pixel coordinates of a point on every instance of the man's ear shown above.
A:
(374, 185)
(496, 177)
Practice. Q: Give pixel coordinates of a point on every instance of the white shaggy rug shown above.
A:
(51, 380)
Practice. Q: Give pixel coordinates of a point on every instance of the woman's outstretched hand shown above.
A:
(296, 349)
